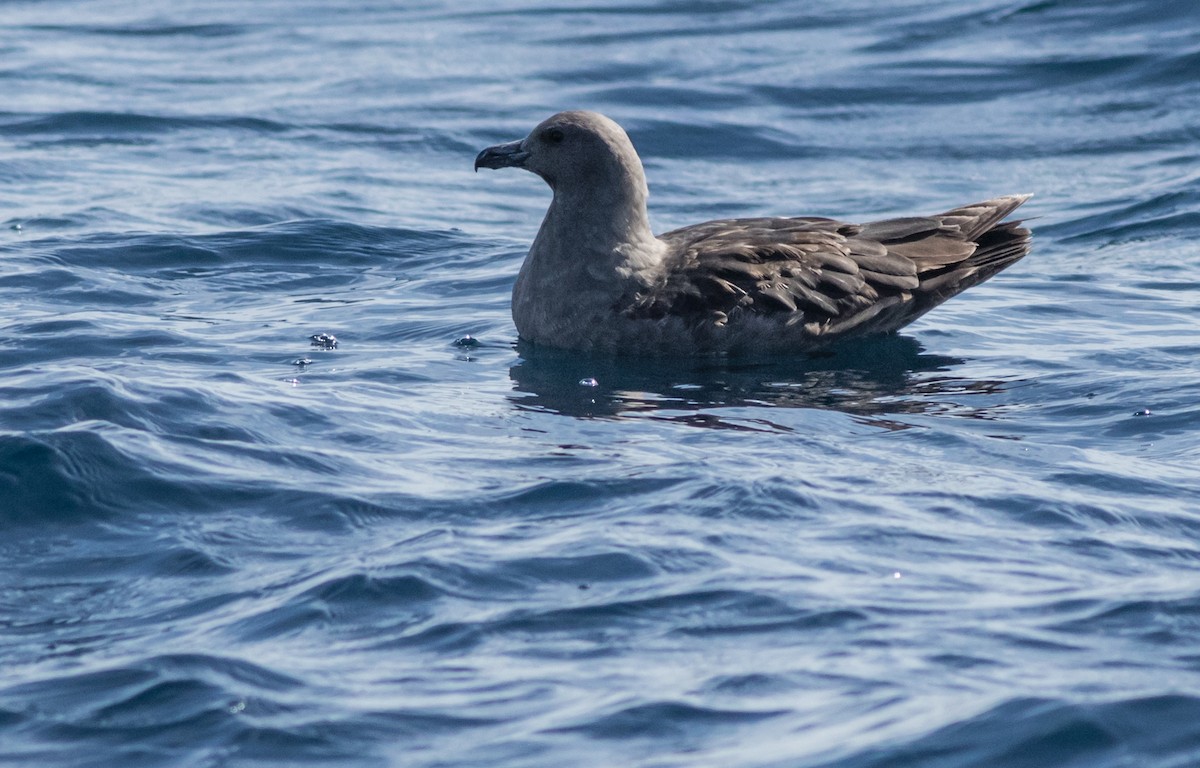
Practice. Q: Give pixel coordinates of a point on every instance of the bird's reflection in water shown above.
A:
(876, 379)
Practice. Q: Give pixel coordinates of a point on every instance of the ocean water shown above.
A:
(976, 543)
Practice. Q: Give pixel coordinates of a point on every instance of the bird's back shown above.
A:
(817, 280)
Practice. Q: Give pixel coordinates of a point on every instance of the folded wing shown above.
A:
(829, 276)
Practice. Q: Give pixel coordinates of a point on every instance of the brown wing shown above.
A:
(831, 276)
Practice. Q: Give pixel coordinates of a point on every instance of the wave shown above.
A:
(118, 124)
(1029, 732)
(297, 243)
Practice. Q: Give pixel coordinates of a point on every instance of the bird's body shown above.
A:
(597, 279)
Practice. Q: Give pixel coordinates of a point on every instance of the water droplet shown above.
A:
(324, 340)
(896, 575)
(1143, 412)
(589, 382)
(468, 341)
(16, 227)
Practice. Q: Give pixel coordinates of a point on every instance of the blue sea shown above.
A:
(224, 542)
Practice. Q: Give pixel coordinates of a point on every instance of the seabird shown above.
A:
(597, 279)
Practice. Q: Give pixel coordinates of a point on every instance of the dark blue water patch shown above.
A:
(127, 252)
(752, 685)
(107, 296)
(1118, 484)
(43, 341)
(434, 142)
(289, 620)
(75, 402)
(1071, 18)
(41, 278)
(214, 30)
(1177, 70)
(839, 101)
(399, 601)
(679, 11)
(673, 139)
(712, 21)
(566, 496)
(799, 621)
(1178, 224)
(367, 606)
(1165, 422)
(39, 479)
(216, 671)
(364, 593)
(960, 661)
(164, 704)
(702, 612)
(105, 126)
(680, 725)
(80, 475)
(1115, 224)
(601, 628)
(724, 498)
(885, 375)
(958, 81)
(35, 226)
(685, 96)
(600, 73)
(1153, 622)
(165, 562)
(1068, 20)
(928, 30)
(450, 638)
(307, 242)
(941, 82)
(581, 569)
(155, 710)
(227, 217)
(1030, 733)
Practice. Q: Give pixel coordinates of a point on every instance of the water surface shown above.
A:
(974, 543)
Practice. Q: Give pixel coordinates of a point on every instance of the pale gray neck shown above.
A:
(587, 254)
(602, 230)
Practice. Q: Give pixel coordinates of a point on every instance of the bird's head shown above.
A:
(570, 149)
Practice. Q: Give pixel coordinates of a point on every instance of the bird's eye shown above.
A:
(553, 135)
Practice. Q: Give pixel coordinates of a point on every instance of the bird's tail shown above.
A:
(998, 246)
(944, 274)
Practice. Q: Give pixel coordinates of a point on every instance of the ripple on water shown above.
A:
(953, 547)
(1026, 732)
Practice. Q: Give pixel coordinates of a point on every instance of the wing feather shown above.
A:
(830, 276)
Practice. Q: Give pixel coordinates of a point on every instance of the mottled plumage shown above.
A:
(597, 279)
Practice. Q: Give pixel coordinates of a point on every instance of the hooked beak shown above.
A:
(508, 155)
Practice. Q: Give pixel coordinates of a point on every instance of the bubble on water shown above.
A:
(468, 341)
(589, 382)
(324, 340)
(1143, 412)
(302, 362)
